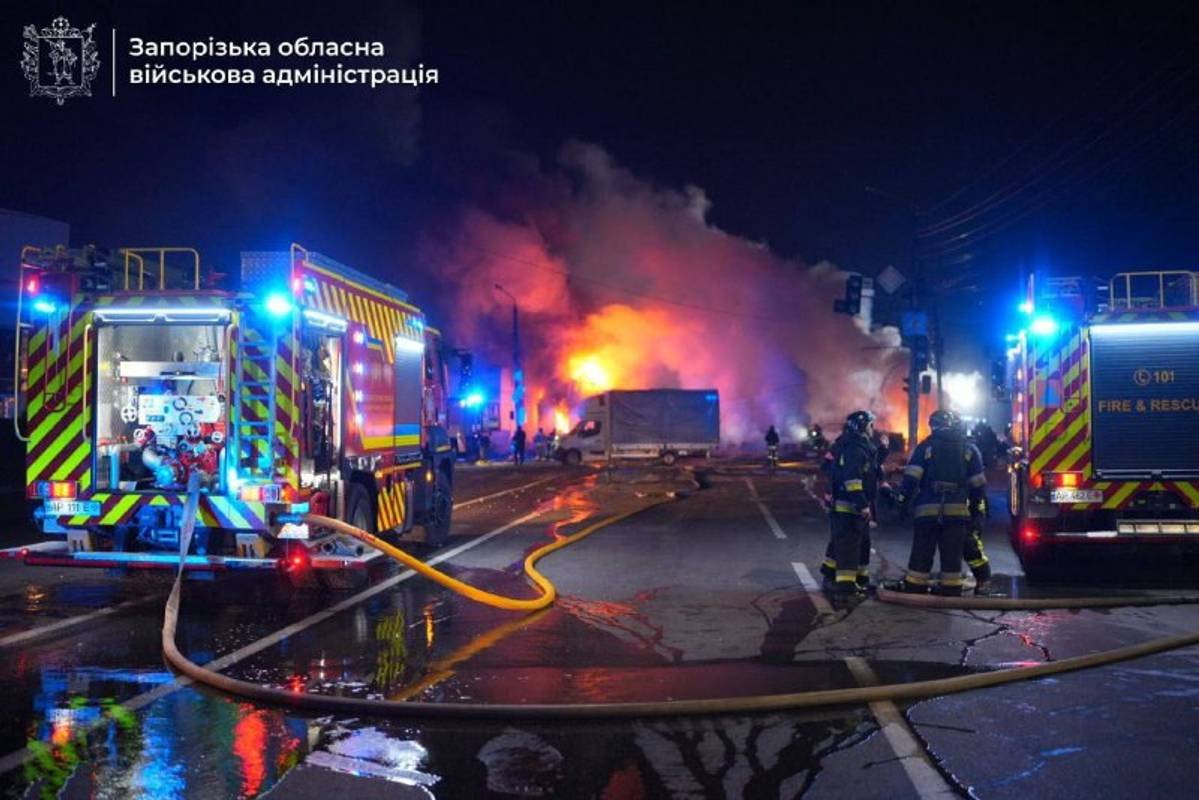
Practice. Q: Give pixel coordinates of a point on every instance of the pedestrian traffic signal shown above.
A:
(920, 353)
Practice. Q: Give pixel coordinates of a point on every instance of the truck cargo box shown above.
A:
(665, 416)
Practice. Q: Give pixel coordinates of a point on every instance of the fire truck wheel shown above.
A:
(360, 511)
(437, 523)
(669, 457)
(573, 458)
(1038, 565)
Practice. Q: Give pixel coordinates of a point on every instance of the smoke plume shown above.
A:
(624, 284)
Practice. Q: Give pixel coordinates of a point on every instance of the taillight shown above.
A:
(295, 560)
(33, 285)
(1030, 535)
(1037, 480)
(58, 490)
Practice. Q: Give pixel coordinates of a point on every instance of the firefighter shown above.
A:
(772, 446)
(945, 480)
(852, 466)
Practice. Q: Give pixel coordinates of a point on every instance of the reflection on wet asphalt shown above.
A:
(94, 713)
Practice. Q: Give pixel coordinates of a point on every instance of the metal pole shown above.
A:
(518, 377)
(938, 352)
(913, 372)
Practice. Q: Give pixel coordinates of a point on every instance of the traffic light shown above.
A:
(999, 389)
(853, 295)
(920, 351)
(851, 304)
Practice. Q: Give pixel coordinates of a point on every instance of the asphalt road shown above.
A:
(708, 595)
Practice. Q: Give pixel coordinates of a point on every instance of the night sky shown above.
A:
(1059, 138)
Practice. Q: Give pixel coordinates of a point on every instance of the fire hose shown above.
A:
(917, 690)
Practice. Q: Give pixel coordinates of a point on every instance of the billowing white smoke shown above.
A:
(624, 284)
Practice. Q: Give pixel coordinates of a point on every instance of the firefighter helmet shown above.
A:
(859, 422)
(944, 419)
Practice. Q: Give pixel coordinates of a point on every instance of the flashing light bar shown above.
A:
(1044, 326)
(324, 320)
(1026, 307)
(33, 285)
(409, 345)
(138, 314)
(278, 304)
(1147, 328)
(44, 306)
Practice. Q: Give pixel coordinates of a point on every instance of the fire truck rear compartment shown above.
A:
(161, 406)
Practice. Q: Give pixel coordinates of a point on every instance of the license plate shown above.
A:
(1076, 496)
(72, 508)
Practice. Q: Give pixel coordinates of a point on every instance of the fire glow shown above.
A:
(625, 285)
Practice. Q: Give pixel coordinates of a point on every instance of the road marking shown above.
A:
(522, 487)
(70, 622)
(775, 528)
(44, 630)
(809, 583)
(19, 757)
(911, 755)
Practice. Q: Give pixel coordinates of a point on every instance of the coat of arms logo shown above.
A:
(60, 60)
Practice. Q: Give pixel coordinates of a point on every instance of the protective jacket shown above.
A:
(945, 478)
(852, 466)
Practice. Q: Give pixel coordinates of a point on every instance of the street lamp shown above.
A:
(518, 376)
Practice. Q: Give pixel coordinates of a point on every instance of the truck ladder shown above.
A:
(254, 410)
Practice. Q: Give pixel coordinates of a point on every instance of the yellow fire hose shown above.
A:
(723, 705)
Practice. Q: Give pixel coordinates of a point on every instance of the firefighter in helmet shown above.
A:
(945, 482)
(852, 466)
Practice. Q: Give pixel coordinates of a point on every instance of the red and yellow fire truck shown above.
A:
(1105, 417)
(313, 387)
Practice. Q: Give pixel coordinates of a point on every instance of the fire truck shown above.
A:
(312, 387)
(1104, 383)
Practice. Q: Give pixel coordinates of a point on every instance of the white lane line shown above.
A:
(813, 588)
(19, 757)
(45, 630)
(70, 622)
(775, 528)
(487, 497)
(911, 756)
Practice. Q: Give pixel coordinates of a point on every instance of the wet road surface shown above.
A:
(705, 596)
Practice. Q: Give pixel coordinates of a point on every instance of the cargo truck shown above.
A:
(1105, 418)
(659, 424)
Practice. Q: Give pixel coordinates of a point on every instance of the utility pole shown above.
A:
(518, 374)
(916, 331)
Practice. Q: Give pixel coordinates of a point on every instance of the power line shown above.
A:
(1044, 196)
(995, 166)
(1046, 167)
